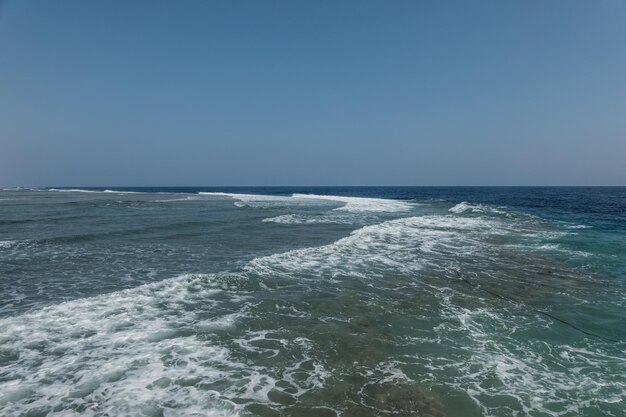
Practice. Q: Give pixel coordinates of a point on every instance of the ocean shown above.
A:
(313, 301)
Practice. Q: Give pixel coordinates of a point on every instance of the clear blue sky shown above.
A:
(313, 92)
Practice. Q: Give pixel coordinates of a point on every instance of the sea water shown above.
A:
(309, 301)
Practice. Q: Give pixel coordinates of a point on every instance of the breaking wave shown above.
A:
(464, 207)
(350, 204)
(80, 190)
(377, 321)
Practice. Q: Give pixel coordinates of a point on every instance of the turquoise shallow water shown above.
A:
(313, 302)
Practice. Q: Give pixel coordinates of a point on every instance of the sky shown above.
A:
(294, 92)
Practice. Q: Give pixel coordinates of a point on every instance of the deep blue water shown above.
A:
(294, 301)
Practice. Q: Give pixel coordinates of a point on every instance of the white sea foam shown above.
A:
(404, 245)
(80, 190)
(302, 219)
(155, 347)
(257, 200)
(350, 204)
(289, 219)
(136, 349)
(247, 197)
(71, 190)
(498, 372)
(553, 247)
(6, 244)
(578, 226)
(109, 345)
(474, 208)
(122, 192)
(361, 204)
(512, 371)
(149, 350)
(169, 200)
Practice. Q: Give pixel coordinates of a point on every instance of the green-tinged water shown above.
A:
(348, 302)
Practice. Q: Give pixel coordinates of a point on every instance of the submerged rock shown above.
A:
(401, 400)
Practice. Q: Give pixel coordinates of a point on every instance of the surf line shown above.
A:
(544, 313)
